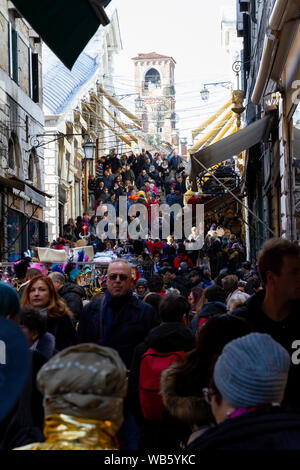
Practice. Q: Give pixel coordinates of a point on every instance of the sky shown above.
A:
(190, 32)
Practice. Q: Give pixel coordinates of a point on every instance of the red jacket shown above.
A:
(180, 258)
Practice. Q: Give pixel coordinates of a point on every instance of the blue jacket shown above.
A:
(170, 199)
(131, 324)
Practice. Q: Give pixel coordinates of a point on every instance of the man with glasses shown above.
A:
(119, 320)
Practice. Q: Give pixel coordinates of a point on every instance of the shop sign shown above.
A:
(62, 195)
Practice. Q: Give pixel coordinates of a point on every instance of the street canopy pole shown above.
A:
(236, 198)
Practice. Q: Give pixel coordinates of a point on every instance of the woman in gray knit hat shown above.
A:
(245, 395)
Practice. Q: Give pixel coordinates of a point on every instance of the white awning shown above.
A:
(230, 146)
(233, 144)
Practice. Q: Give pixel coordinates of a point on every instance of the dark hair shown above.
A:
(33, 320)
(218, 279)
(197, 293)
(173, 308)
(156, 284)
(270, 258)
(154, 300)
(92, 220)
(21, 267)
(215, 294)
(252, 285)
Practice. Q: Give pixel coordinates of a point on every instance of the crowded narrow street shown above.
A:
(149, 235)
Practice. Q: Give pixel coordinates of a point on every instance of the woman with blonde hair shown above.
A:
(72, 224)
(41, 294)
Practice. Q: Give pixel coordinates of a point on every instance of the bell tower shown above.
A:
(154, 83)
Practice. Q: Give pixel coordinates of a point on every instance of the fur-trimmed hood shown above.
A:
(188, 409)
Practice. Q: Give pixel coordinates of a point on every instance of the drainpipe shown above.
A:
(276, 22)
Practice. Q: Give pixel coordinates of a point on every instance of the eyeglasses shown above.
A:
(208, 393)
(122, 277)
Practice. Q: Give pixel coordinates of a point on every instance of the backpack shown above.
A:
(201, 322)
(153, 363)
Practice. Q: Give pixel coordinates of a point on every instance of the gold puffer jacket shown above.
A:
(63, 432)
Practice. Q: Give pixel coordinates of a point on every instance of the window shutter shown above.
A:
(35, 77)
(10, 50)
(15, 57)
(30, 72)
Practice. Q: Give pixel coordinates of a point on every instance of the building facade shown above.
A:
(154, 83)
(270, 79)
(22, 196)
(74, 113)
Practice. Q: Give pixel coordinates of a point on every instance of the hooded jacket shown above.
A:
(167, 337)
(73, 294)
(208, 309)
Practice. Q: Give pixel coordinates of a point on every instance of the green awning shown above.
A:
(66, 26)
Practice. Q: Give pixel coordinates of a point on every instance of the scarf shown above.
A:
(111, 308)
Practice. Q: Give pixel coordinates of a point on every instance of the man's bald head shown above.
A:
(119, 278)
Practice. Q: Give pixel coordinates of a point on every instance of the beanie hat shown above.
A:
(252, 370)
(10, 301)
(142, 282)
(87, 381)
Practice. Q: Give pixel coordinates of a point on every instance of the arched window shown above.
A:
(14, 155)
(33, 169)
(152, 79)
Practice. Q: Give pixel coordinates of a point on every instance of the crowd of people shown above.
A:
(170, 347)
(197, 356)
(145, 179)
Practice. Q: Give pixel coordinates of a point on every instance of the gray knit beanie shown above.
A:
(252, 370)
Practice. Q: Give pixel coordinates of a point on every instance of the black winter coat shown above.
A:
(64, 331)
(167, 337)
(24, 423)
(273, 428)
(182, 284)
(284, 332)
(73, 294)
(130, 326)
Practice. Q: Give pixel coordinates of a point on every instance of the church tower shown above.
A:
(154, 83)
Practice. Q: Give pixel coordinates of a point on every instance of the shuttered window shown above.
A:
(33, 63)
(13, 53)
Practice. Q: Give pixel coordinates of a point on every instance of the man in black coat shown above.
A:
(275, 310)
(71, 293)
(120, 320)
